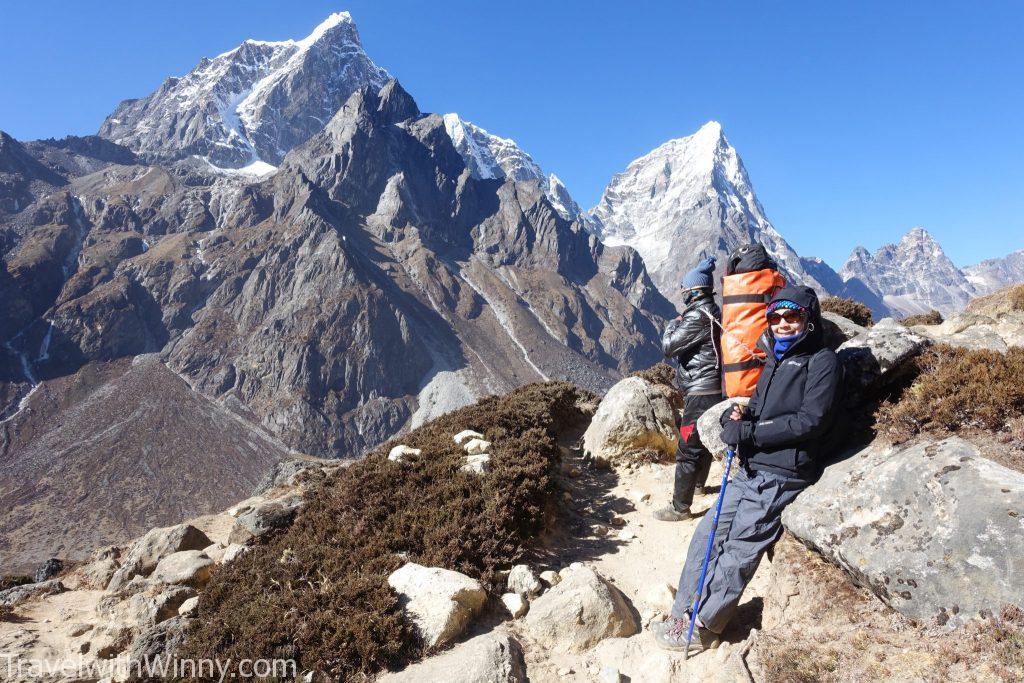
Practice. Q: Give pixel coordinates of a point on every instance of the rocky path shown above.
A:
(609, 526)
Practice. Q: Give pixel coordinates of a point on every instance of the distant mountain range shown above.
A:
(284, 244)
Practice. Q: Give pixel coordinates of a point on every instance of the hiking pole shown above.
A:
(729, 453)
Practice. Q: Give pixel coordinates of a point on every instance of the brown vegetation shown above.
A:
(958, 390)
(665, 375)
(1007, 300)
(849, 309)
(318, 591)
(932, 317)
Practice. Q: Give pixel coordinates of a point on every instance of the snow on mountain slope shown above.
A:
(912, 276)
(489, 156)
(688, 197)
(994, 274)
(253, 103)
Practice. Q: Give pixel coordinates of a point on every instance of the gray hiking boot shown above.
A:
(670, 514)
(672, 636)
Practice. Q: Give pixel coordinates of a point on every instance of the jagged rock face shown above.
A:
(255, 102)
(912, 276)
(22, 177)
(688, 197)
(995, 274)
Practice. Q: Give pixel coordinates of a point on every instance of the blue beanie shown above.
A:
(701, 276)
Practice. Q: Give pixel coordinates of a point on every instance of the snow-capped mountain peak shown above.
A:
(489, 156)
(250, 104)
(689, 196)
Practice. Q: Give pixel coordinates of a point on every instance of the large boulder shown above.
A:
(974, 331)
(933, 529)
(19, 594)
(439, 601)
(157, 544)
(634, 415)
(187, 568)
(579, 612)
(490, 658)
(873, 357)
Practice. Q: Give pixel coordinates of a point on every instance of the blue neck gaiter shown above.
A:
(784, 344)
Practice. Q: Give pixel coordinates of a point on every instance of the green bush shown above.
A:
(318, 592)
(849, 309)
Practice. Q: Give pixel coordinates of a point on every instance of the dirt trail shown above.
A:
(643, 568)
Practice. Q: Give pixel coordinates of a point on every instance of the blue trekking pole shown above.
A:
(729, 453)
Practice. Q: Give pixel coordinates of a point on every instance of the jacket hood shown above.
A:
(813, 338)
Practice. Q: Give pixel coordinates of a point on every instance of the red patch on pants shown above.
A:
(686, 430)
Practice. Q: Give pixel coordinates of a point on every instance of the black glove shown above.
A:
(736, 432)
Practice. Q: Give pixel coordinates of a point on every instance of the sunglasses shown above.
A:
(790, 316)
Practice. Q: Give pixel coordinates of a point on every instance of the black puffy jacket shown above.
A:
(692, 340)
(795, 403)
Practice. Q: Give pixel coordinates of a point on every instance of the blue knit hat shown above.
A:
(784, 303)
(702, 276)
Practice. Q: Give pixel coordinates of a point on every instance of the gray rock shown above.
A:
(709, 426)
(160, 640)
(634, 415)
(285, 473)
(875, 356)
(264, 517)
(48, 570)
(490, 658)
(19, 594)
(582, 610)
(933, 529)
(189, 568)
(157, 544)
(838, 329)
(439, 601)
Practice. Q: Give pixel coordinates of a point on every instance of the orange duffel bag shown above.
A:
(745, 298)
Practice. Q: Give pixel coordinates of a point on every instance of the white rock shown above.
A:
(189, 567)
(515, 604)
(491, 658)
(477, 464)
(626, 535)
(637, 497)
(476, 446)
(660, 596)
(440, 602)
(401, 452)
(232, 552)
(467, 434)
(579, 612)
(523, 581)
(550, 578)
(190, 607)
(610, 674)
(215, 551)
(157, 544)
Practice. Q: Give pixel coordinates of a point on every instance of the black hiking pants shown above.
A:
(693, 460)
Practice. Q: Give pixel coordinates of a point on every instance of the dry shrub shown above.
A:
(958, 390)
(1016, 297)
(783, 660)
(6, 612)
(932, 317)
(317, 592)
(997, 642)
(849, 309)
(13, 581)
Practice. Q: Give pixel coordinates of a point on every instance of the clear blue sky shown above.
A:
(856, 120)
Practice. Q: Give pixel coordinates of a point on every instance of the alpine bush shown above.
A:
(849, 309)
(932, 317)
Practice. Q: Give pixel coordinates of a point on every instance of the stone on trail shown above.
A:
(871, 358)
(550, 578)
(523, 581)
(18, 594)
(490, 658)
(439, 601)
(157, 544)
(634, 415)
(189, 568)
(515, 604)
(933, 529)
(579, 612)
